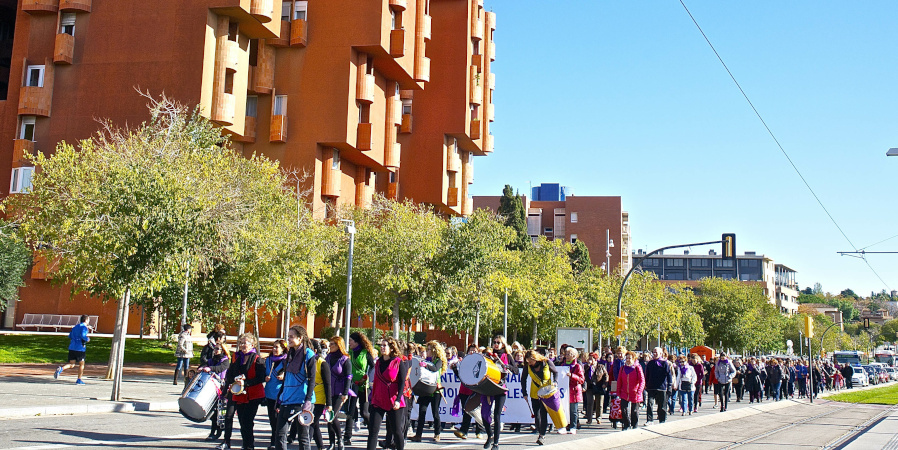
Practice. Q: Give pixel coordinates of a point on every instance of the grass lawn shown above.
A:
(54, 349)
(880, 396)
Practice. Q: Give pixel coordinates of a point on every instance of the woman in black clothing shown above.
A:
(541, 372)
(501, 355)
(341, 378)
(360, 355)
(463, 395)
(218, 364)
(247, 369)
(387, 395)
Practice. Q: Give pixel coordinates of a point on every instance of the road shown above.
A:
(796, 425)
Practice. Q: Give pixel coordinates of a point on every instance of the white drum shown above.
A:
(423, 381)
(200, 397)
(481, 375)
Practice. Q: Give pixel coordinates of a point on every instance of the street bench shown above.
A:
(55, 321)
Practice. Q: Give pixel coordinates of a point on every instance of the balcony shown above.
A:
(399, 5)
(20, 149)
(249, 131)
(75, 5)
(476, 87)
(397, 43)
(299, 33)
(284, 39)
(392, 155)
(64, 50)
(422, 69)
(262, 10)
(330, 177)
(262, 80)
(476, 29)
(491, 112)
(492, 51)
(469, 173)
(427, 29)
(40, 6)
(363, 136)
(224, 108)
(232, 54)
(392, 191)
(36, 101)
(468, 207)
(406, 125)
(491, 20)
(365, 89)
(488, 143)
(491, 79)
(452, 196)
(453, 162)
(477, 61)
(43, 269)
(278, 132)
(475, 129)
(396, 111)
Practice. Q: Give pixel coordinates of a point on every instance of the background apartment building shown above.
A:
(599, 222)
(777, 280)
(354, 93)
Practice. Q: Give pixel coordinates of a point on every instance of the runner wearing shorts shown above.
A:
(77, 349)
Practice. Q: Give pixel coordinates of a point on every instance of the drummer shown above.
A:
(541, 371)
(249, 372)
(218, 364)
(501, 355)
(435, 362)
(463, 394)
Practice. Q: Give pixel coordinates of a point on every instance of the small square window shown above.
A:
(280, 105)
(252, 104)
(573, 217)
(27, 129)
(573, 239)
(35, 76)
(299, 10)
(336, 160)
(67, 24)
(20, 182)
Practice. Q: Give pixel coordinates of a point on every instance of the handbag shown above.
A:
(685, 385)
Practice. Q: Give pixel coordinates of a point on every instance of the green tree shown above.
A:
(848, 293)
(818, 289)
(739, 315)
(511, 209)
(579, 257)
(14, 260)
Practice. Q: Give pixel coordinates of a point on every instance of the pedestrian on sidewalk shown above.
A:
(576, 379)
(630, 383)
(739, 380)
(657, 379)
(274, 379)
(699, 368)
(77, 349)
(183, 351)
(599, 389)
(218, 364)
(686, 384)
(249, 371)
(724, 371)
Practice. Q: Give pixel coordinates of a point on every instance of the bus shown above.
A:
(886, 357)
(852, 357)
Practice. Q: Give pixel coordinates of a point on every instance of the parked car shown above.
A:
(883, 374)
(872, 376)
(859, 378)
(893, 374)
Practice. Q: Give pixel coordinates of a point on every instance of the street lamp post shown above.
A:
(350, 229)
(609, 244)
(184, 304)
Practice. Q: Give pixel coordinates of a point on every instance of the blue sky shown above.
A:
(626, 98)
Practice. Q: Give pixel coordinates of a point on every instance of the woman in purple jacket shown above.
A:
(341, 378)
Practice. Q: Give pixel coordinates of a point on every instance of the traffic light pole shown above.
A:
(620, 294)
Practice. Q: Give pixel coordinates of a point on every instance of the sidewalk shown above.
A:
(28, 390)
(881, 435)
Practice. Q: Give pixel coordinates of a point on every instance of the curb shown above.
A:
(98, 408)
(662, 429)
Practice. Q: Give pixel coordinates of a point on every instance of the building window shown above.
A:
(368, 173)
(700, 263)
(573, 239)
(396, 19)
(67, 24)
(280, 105)
(229, 83)
(674, 276)
(336, 162)
(27, 129)
(676, 262)
(233, 28)
(573, 217)
(364, 113)
(35, 76)
(392, 177)
(407, 106)
(723, 263)
(21, 180)
(476, 45)
(475, 112)
(285, 10)
(299, 10)
(547, 230)
(252, 104)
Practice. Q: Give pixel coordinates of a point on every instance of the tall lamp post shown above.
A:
(350, 229)
(609, 244)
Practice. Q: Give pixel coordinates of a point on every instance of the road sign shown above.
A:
(580, 338)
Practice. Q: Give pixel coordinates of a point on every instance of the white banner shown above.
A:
(517, 408)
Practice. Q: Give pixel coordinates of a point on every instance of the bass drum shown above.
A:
(481, 375)
(200, 397)
(423, 381)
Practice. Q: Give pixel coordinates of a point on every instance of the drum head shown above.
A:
(415, 374)
(306, 418)
(472, 370)
(546, 391)
(329, 416)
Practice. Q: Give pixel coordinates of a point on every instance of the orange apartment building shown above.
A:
(366, 96)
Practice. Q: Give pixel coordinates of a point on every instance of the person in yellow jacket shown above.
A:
(541, 372)
(322, 393)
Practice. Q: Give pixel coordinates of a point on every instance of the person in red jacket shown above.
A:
(630, 383)
(575, 388)
(248, 370)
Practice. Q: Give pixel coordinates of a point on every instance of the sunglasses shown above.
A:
(497, 342)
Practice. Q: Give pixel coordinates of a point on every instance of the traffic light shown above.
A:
(809, 326)
(620, 324)
(728, 247)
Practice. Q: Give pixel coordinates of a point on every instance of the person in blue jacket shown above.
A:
(77, 349)
(298, 389)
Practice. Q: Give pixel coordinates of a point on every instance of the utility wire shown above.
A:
(770, 132)
(880, 242)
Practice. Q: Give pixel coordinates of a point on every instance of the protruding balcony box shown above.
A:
(232, 55)
(491, 80)
(284, 39)
(399, 5)
(427, 30)
(64, 50)
(249, 131)
(40, 6)
(299, 33)
(487, 144)
(263, 74)
(475, 129)
(396, 110)
(492, 50)
(476, 87)
(262, 10)
(392, 155)
(365, 89)
(452, 196)
(392, 191)
(491, 20)
(224, 108)
(363, 136)
(36, 101)
(469, 173)
(477, 61)
(422, 69)
(468, 207)
(42, 269)
(330, 177)
(406, 126)
(20, 149)
(397, 43)
(476, 28)
(278, 129)
(491, 112)
(453, 162)
(75, 5)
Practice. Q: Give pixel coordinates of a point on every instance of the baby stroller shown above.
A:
(614, 412)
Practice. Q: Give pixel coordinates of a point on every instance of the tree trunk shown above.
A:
(534, 339)
(113, 351)
(396, 317)
(119, 336)
(477, 328)
(256, 318)
(514, 335)
(242, 326)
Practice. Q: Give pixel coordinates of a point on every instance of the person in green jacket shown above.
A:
(360, 354)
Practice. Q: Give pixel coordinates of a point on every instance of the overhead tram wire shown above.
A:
(770, 132)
